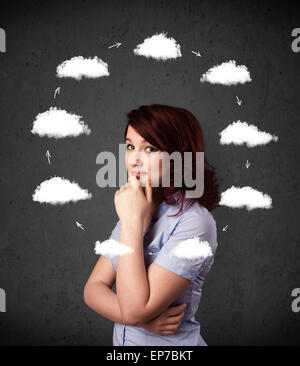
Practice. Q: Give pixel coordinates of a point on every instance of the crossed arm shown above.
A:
(140, 295)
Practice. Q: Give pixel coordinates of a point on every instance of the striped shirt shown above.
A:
(160, 238)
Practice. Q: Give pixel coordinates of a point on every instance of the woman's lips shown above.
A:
(138, 174)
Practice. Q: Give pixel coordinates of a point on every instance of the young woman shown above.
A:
(157, 292)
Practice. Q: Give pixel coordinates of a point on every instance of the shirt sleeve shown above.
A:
(190, 248)
(115, 235)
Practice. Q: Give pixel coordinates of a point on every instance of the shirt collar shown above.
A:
(163, 206)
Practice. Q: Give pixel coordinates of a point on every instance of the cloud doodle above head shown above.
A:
(159, 47)
(57, 190)
(228, 73)
(239, 133)
(238, 197)
(58, 123)
(78, 67)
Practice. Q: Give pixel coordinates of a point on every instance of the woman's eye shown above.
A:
(152, 149)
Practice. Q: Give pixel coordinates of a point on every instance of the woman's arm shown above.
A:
(98, 294)
(100, 298)
(143, 295)
(132, 286)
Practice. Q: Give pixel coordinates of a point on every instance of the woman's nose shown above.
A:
(136, 158)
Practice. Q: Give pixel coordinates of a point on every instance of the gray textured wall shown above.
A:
(45, 259)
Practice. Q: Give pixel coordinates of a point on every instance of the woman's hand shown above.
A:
(131, 202)
(167, 322)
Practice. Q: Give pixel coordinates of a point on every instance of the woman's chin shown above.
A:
(143, 180)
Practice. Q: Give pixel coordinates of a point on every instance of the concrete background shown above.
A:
(45, 259)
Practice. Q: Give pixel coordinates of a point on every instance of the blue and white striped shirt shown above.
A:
(160, 237)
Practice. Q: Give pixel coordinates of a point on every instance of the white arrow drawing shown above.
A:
(115, 45)
(224, 228)
(79, 225)
(239, 102)
(247, 164)
(48, 156)
(57, 91)
(197, 53)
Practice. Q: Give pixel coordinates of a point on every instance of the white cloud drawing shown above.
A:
(57, 190)
(228, 73)
(248, 197)
(59, 123)
(159, 47)
(78, 67)
(239, 133)
(192, 248)
(111, 247)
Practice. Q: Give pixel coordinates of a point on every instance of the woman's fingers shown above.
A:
(133, 182)
(171, 324)
(173, 320)
(163, 332)
(169, 328)
(148, 190)
(174, 310)
(168, 321)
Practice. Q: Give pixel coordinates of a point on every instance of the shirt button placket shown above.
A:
(123, 335)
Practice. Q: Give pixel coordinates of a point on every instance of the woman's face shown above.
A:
(142, 157)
